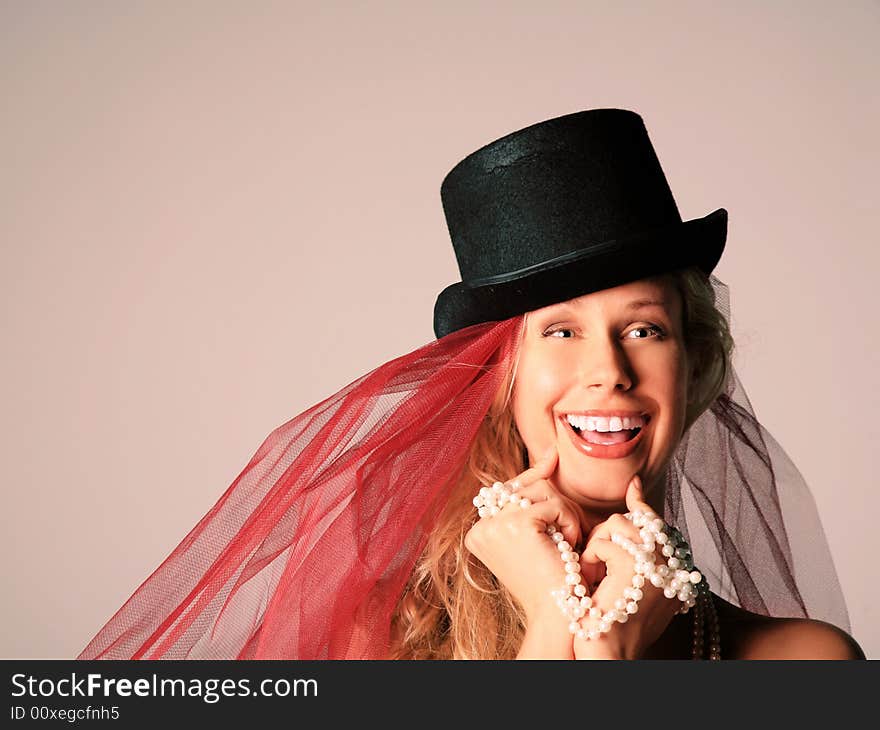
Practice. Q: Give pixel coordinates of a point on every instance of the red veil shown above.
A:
(307, 552)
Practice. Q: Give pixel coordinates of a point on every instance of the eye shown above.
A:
(656, 329)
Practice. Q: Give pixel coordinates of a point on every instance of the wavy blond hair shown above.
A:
(453, 607)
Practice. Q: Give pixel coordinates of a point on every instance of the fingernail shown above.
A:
(636, 483)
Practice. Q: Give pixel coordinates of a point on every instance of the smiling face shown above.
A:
(608, 350)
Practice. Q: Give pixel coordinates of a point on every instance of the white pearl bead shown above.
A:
(525, 502)
(674, 563)
(658, 524)
(574, 603)
(477, 501)
(497, 485)
(483, 512)
(485, 492)
(493, 510)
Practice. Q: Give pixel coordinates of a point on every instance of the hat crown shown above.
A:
(554, 188)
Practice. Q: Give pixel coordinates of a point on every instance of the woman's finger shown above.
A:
(555, 511)
(541, 469)
(635, 498)
(605, 551)
(615, 523)
(542, 502)
(541, 491)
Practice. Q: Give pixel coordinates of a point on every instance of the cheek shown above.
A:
(666, 382)
(539, 386)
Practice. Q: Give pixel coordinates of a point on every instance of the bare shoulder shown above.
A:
(747, 635)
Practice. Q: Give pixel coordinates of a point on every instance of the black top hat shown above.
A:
(563, 208)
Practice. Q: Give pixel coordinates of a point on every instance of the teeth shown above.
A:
(615, 423)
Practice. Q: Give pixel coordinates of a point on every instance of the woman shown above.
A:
(373, 525)
(663, 361)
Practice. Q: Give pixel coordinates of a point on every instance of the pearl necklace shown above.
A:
(678, 578)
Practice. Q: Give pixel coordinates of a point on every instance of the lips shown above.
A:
(605, 451)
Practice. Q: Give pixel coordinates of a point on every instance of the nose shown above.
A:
(605, 367)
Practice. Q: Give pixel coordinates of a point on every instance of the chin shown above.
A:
(603, 487)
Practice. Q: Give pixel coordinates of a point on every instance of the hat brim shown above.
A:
(698, 242)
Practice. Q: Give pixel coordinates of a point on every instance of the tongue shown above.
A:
(606, 438)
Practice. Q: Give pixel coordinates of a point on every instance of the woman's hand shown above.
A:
(515, 546)
(627, 640)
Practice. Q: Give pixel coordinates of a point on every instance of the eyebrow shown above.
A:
(645, 303)
(634, 305)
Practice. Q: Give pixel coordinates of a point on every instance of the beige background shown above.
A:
(215, 214)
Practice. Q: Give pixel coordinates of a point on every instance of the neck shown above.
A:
(596, 512)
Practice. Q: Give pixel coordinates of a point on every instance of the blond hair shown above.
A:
(453, 607)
